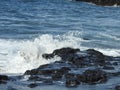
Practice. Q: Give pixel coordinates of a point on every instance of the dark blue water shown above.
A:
(29, 28)
(24, 19)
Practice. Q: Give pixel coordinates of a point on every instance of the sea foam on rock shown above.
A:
(75, 67)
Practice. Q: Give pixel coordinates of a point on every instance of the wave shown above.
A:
(17, 56)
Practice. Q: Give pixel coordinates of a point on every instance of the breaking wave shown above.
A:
(17, 56)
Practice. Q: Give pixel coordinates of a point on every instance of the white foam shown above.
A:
(17, 56)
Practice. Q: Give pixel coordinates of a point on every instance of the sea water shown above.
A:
(29, 28)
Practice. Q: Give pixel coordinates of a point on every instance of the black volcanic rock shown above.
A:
(108, 68)
(63, 53)
(39, 72)
(75, 67)
(3, 79)
(70, 75)
(32, 85)
(103, 2)
(117, 87)
(72, 83)
(58, 74)
(96, 56)
(94, 76)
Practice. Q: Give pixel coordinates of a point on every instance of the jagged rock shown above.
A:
(39, 72)
(3, 79)
(63, 52)
(47, 56)
(45, 71)
(72, 83)
(94, 76)
(103, 2)
(90, 56)
(72, 68)
(96, 56)
(58, 74)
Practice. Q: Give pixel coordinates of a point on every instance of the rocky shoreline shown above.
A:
(75, 68)
(103, 2)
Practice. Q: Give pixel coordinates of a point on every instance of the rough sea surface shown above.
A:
(29, 28)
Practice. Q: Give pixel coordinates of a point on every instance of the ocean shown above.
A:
(29, 28)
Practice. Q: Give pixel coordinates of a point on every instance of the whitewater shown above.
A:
(17, 56)
(29, 28)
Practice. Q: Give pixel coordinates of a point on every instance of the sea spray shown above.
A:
(17, 56)
(21, 55)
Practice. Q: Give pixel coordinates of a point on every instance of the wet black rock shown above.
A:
(45, 71)
(96, 56)
(70, 75)
(108, 68)
(72, 83)
(75, 67)
(63, 53)
(115, 63)
(39, 72)
(32, 85)
(115, 73)
(79, 58)
(3, 79)
(57, 76)
(47, 56)
(103, 2)
(94, 76)
(35, 78)
(117, 87)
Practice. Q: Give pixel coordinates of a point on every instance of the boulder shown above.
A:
(97, 57)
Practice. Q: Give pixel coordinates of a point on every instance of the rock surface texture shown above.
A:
(75, 67)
